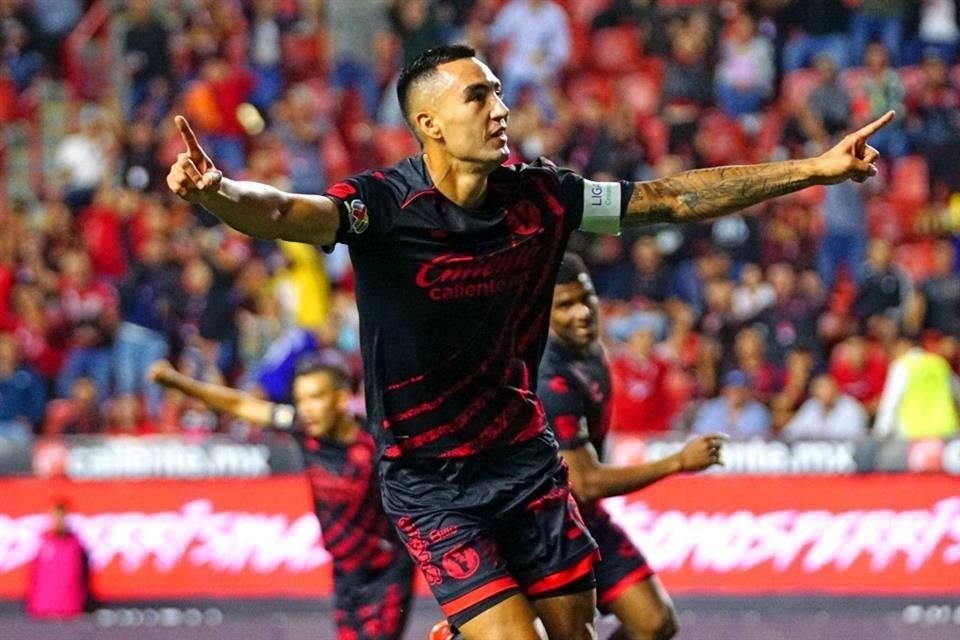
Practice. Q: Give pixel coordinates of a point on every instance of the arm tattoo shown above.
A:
(708, 193)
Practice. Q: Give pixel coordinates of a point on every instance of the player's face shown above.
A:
(470, 112)
(320, 405)
(574, 315)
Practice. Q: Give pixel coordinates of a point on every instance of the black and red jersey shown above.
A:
(454, 303)
(346, 498)
(576, 392)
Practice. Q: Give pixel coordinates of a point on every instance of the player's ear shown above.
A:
(427, 125)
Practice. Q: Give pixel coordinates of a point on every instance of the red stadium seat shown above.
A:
(597, 86)
(891, 220)
(583, 11)
(913, 80)
(911, 181)
(394, 144)
(720, 140)
(303, 55)
(797, 86)
(916, 258)
(767, 138)
(640, 91)
(655, 135)
(616, 49)
(335, 157)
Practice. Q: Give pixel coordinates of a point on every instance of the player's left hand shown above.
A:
(702, 452)
(852, 158)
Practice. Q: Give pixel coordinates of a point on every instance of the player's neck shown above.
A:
(462, 183)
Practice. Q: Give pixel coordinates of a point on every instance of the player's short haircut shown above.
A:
(310, 364)
(571, 269)
(423, 66)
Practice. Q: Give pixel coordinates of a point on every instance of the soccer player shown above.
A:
(454, 257)
(372, 573)
(574, 386)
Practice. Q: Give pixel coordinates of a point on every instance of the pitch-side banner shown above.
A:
(725, 535)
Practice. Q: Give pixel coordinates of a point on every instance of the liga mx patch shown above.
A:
(601, 207)
(358, 216)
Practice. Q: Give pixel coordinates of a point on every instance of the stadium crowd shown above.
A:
(788, 321)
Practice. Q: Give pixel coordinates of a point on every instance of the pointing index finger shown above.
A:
(188, 136)
(876, 125)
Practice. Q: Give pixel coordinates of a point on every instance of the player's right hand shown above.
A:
(160, 371)
(702, 452)
(193, 175)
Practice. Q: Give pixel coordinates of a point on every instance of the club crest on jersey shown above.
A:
(358, 216)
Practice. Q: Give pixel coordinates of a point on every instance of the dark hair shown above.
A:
(423, 65)
(315, 363)
(571, 268)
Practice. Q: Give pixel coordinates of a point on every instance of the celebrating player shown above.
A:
(574, 387)
(372, 574)
(454, 257)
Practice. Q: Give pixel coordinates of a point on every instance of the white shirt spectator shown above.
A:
(537, 36)
(845, 420)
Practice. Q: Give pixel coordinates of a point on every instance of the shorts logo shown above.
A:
(461, 562)
(359, 219)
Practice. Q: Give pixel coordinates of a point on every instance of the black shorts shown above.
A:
(621, 563)
(373, 604)
(486, 527)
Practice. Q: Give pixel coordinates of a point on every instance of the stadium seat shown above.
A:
(720, 140)
(913, 81)
(598, 86)
(768, 137)
(640, 91)
(394, 144)
(655, 135)
(910, 183)
(616, 49)
(303, 55)
(887, 220)
(796, 87)
(583, 11)
(335, 156)
(916, 258)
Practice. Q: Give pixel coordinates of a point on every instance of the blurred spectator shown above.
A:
(843, 243)
(79, 413)
(101, 228)
(265, 54)
(651, 278)
(125, 417)
(792, 320)
(147, 303)
(357, 29)
(939, 295)
(21, 62)
(83, 158)
(146, 53)
(745, 70)
(734, 412)
(827, 415)
(883, 20)
(301, 128)
(639, 13)
(22, 393)
(53, 20)
(749, 357)
(884, 288)
(138, 156)
(753, 295)
(828, 109)
(59, 579)
(417, 25)
(687, 87)
(641, 402)
(934, 122)
(920, 396)
(34, 326)
(90, 313)
(535, 35)
(882, 90)
(212, 102)
(939, 30)
(815, 28)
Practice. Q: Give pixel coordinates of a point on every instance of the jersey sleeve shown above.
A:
(594, 207)
(565, 410)
(365, 208)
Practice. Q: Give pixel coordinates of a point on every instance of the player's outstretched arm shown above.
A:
(593, 480)
(255, 209)
(708, 193)
(217, 397)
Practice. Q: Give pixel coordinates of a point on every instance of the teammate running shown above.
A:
(575, 389)
(454, 257)
(372, 574)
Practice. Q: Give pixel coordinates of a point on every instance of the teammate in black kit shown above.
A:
(575, 389)
(454, 258)
(372, 573)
